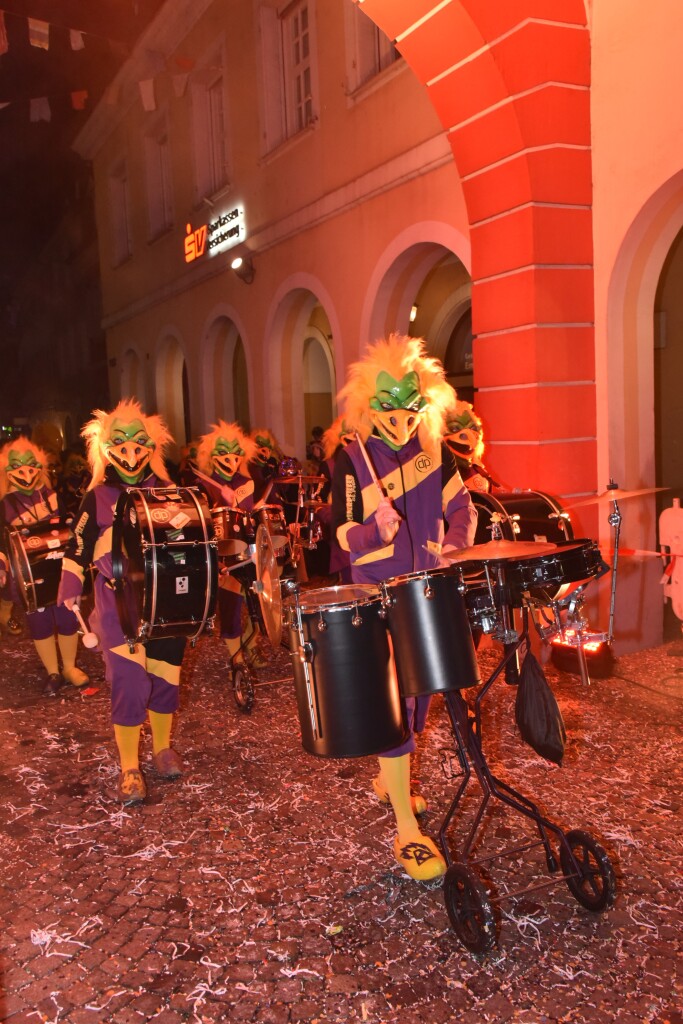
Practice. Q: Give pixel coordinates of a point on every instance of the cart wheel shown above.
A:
(469, 909)
(595, 885)
(243, 689)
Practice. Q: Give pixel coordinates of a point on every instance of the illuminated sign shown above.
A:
(226, 231)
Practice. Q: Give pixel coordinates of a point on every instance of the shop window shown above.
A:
(158, 174)
(119, 206)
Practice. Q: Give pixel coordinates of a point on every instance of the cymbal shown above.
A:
(614, 494)
(299, 478)
(498, 550)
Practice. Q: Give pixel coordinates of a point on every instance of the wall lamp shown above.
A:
(413, 314)
(244, 268)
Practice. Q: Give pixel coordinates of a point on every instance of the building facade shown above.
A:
(460, 171)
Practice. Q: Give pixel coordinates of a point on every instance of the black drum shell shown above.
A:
(358, 705)
(35, 556)
(539, 515)
(431, 635)
(557, 573)
(167, 574)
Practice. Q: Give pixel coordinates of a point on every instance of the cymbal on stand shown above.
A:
(299, 478)
(499, 550)
(614, 494)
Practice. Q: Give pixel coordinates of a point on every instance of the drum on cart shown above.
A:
(164, 563)
(427, 616)
(553, 576)
(347, 695)
(235, 535)
(35, 556)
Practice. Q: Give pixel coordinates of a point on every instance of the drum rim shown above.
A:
(364, 600)
(442, 570)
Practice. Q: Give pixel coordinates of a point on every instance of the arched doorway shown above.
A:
(225, 374)
(318, 382)
(132, 380)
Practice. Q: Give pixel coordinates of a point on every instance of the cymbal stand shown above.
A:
(614, 520)
(509, 635)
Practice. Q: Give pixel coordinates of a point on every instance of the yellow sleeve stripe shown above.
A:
(376, 556)
(342, 532)
(68, 565)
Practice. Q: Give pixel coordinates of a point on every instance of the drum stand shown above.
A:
(585, 865)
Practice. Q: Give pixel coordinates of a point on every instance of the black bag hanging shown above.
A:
(537, 713)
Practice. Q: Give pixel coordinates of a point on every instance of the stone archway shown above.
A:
(511, 86)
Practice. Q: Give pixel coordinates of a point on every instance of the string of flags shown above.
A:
(39, 37)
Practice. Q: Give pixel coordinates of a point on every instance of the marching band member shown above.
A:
(223, 456)
(336, 437)
(264, 463)
(396, 398)
(464, 436)
(125, 449)
(28, 501)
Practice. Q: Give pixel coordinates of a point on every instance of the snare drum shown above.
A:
(346, 691)
(235, 536)
(35, 557)
(430, 632)
(273, 518)
(524, 515)
(164, 563)
(554, 575)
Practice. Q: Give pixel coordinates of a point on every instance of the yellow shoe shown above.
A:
(420, 858)
(417, 801)
(75, 676)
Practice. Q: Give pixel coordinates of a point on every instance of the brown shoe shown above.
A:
(131, 788)
(168, 764)
(13, 627)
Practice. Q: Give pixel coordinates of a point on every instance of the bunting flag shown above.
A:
(147, 96)
(39, 33)
(4, 45)
(76, 39)
(40, 109)
(79, 99)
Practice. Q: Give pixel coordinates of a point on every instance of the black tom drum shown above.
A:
(347, 696)
(430, 631)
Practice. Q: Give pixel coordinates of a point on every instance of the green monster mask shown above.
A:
(264, 450)
(226, 457)
(396, 408)
(129, 449)
(23, 471)
(463, 434)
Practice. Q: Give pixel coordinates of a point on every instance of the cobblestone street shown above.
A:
(262, 887)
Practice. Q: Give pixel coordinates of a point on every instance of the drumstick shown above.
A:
(368, 463)
(89, 639)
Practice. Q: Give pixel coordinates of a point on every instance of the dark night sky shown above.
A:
(37, 164)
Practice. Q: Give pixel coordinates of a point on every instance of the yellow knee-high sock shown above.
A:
(68, 646)
(160, 726)
(233, 644)
(395, 774)
(47, 652)
(5, 612)
(128, 742)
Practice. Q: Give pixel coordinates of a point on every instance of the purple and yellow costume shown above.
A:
(149, 677)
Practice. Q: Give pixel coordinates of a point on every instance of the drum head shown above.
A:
(268, 578)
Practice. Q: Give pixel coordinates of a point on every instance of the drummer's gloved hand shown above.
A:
(388, 520)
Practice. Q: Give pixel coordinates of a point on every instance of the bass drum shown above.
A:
(164, 563)
(36, 562)
(524, 515)
(346, 691)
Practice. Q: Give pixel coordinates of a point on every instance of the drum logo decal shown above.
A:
(423, 463)
(33, 542)
(182, 584)
(180, 520)
(161, 515)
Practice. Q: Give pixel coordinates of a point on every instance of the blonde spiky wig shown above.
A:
(22, 444)
(98, 430)
(397, 355)
(231, 432)
(333, 435)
